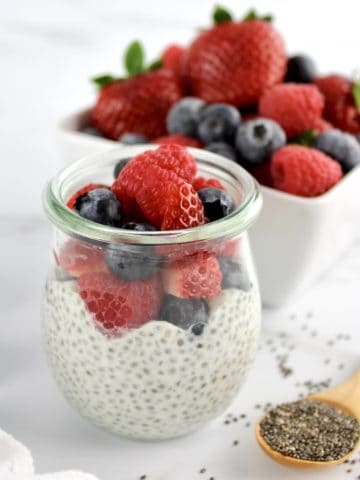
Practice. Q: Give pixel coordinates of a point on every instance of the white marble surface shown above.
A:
(48, 51)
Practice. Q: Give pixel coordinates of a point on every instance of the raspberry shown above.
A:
(179, 139)
(118, 304)
(201, 182)
(304, 171)
(197, 276)
(173, 58)
(294, 106)
(77, 257)
(322, 125)
(71, 203)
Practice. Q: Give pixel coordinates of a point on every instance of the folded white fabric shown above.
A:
(14, 457)
(70, 475)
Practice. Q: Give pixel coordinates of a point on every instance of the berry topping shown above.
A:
(257, 139)
(341, 146)
(196, 276)
(234, 274)
(300, 69)
(100, 206)
(179, 139)
(117, 304)
(304, 171)
(74, 201)
(133, 139)
(173, 58)
(77, 257)
(185, 313)
(184, 116)
(217, 203)
(201, 182)
(294, 106)
(120, 165)
(222, 148)
(218, 123)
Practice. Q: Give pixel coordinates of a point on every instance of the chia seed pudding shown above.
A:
(156, 381)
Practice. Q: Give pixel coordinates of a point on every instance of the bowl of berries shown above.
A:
(151, 312)
(235, 92)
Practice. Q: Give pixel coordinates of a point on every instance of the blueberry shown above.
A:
(132, 262)
(341, 146)
(185, 313)
(133, 139)
(234, 274)
(357, 138)
(139, 227)
(222, 148)
(217, 203)
(92, 131)
(300, 69)
(183, 116)
(120, 165)
(257, 139)
(218, 123)
(100, 206)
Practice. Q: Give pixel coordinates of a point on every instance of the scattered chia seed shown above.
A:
(247, 424)
(143, 477)
(203, 470)
(243, 415)
(285, 370)
(310, 430)
(235, 443)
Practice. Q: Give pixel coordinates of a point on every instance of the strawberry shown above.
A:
(173, 58)
(77, 257)
(202, 182)
(179, 139)
(197, 276)
(342, 102)
(71, 203)
(118, 304)
(235, 62)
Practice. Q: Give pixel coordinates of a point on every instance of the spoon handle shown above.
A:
(346, 395)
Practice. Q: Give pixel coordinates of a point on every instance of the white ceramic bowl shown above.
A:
(295, 240)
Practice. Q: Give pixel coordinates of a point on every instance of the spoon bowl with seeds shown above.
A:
(319, 431)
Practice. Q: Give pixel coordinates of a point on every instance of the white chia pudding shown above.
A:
(156, 381)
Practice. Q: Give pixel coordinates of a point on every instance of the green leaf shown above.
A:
(221, 15)
(134, 59)
(253, 15)
(356, 95)
(306, 138)
(103, 80)
(155, 65)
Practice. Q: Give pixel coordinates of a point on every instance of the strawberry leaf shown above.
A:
(221, 15)
(356, 95)
(306, 138)
(134, 59)
(155, 65)
(103, 80)
(253, 15)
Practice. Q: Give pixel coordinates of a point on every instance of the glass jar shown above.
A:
(128, 353)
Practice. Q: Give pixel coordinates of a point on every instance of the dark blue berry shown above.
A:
(257, 139)
(217, 203)
(218, 123)
(222, 148)
(185, 313)
(92, 131)
(100, 206)
(183, 117)
(139, 227)
(301, 69)
(234, 274)
(133, 139)
(357, 138)
(341, 146)
(120, 165)
(132, 262)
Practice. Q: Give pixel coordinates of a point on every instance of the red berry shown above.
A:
(137, 104)
(322, 125)
(262, 174)
(173, 58)
(197, 276)
(294, 106)
(71, 203)
(179, 139)
(340, 108)
(116, 304)
(202, 182)
(304, 171)
(235, 62)
(77, 257)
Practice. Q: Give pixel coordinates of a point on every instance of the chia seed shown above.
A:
(310, 430)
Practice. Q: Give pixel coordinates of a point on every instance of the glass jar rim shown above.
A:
(70, 222)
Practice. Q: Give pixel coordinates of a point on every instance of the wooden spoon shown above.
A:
(346, 397)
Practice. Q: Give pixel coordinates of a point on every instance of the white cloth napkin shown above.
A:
(69, 475)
